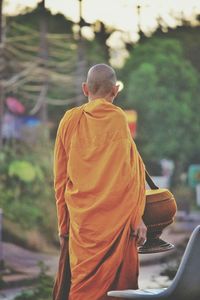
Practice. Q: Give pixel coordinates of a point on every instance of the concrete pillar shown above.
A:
(198, 194)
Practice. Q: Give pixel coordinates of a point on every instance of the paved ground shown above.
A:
(24, 263)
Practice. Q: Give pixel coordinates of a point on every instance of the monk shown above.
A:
(100, 191)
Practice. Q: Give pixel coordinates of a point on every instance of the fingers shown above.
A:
(141, 235)
(141, 239)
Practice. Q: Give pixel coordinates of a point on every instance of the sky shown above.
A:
(120, 14)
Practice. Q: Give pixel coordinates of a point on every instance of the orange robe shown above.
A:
(100, 196)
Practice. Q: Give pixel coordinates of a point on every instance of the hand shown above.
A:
(140, 233)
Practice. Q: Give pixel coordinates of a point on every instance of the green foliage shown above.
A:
(164, 89)
(26, 188)
(43, 288)
(23, 170)
(190, 41)
(95, 53)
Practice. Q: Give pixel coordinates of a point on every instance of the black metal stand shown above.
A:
(155, 246)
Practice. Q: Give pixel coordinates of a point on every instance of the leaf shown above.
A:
(24, 170)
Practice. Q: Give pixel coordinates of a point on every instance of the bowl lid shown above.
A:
(158, 195)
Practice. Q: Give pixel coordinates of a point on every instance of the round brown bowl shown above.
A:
(159, 212)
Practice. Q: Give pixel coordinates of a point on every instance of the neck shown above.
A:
(107, 98)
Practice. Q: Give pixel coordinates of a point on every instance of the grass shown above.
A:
(43, 287)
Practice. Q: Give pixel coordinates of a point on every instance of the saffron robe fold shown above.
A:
(99, 184)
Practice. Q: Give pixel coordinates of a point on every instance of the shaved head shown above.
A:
(100, 79)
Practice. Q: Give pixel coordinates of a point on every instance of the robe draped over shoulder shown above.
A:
(100, 188)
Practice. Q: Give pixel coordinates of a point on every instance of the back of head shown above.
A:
(101, 79)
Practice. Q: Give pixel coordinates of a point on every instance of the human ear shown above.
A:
(115, 90)
(85, 89)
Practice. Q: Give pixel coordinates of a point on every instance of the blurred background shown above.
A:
(46, 48)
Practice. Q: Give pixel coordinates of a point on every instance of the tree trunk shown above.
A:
(1, 75)
(43, 53)
(81, 64)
